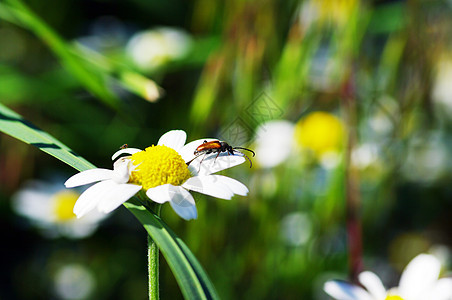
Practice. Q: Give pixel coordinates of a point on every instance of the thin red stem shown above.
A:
(352, 195)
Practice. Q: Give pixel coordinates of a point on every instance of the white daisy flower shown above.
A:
(151, 49)
(419, 281)
(49, 207)
(274, 142)
(163, 173)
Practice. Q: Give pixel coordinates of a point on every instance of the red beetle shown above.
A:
(218, 147)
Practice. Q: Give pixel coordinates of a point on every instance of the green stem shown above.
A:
(153, 264)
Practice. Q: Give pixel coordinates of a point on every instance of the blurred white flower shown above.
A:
(419, 281)
(365, 155)
(74, 281)
(49, 207)
(296, 228)
(427, 159)
(153, 48)
(274, 140)
(442, 87)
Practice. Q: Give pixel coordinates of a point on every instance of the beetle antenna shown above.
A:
(254, 154)
(251, 164)
(190, 161)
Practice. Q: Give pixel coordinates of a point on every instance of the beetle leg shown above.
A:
(202, 161)
(216, 156)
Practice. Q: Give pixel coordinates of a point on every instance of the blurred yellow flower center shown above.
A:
(157, 165)
(338, 11)
(64, 204)
(393, 297)
(320, 132)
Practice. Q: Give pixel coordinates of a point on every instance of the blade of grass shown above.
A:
(92, 69)
(89, 77)
(14, 125)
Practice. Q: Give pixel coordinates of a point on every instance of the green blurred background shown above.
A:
(329, 93)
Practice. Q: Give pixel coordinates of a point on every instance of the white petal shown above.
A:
(373, 284)
(419, 276)
(89, 199)
(122, 169)
(119, 194)
(88, 176)
(159, 194)
(125, 150)
(93, 217)
(206, 165)
(174, 139)
(208, 185)
(216, 185)
(183, 203)
(187, 151)
(344, 291)
(234, 185)
(181, 200)
(442, 290)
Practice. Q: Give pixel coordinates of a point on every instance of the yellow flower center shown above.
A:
(64, 204)
(393, 297)
(320, 131)
(157, 165)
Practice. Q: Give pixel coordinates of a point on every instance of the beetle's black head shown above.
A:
(225, 147)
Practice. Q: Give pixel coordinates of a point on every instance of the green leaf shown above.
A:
(191, 277)
(14, 125)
